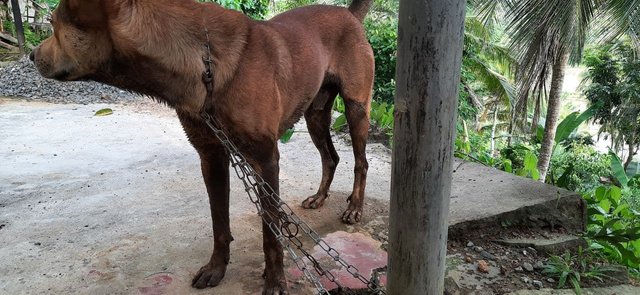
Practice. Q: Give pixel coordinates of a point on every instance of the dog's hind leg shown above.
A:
(318, 118)
(357, 113)
(355, 73)
(214, 163)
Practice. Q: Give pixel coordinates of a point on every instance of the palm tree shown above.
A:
(545, 36)
(548, 34)
(490, 61)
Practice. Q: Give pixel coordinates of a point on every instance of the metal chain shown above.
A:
(285, 224)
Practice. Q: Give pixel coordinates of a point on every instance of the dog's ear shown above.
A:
(85, 13)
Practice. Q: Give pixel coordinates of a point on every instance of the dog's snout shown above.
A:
(32, 55)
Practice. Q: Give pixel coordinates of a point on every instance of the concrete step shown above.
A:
(487, 199)
(547, 245)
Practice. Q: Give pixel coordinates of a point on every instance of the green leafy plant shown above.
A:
(575, 269)
(341, 120)
(613, 226)
(382, 35)
(571, 123)
(579, 167)
(257, 9)
(530, 166)
(286, 137)
(618, 170)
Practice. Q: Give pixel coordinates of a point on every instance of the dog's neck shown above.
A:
(160, 51)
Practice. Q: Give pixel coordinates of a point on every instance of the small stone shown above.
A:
(525, 280)
(468, 259)
(537, 284)
(478, 249)
(551, 280)
(538, 265)
(525, 253)
(483, 266)
(527, 266)
(503, 270)
(532, 251)
(487, 255)
(470, 244)
(519, 269)
(383, 236)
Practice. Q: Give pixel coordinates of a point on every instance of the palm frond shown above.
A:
(617, 18)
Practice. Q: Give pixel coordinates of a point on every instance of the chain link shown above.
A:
(284, 223)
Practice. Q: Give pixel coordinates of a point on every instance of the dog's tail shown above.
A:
(359, 8)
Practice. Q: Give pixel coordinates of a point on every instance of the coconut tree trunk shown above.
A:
(536, 114)
(630, 156)
(553, 113)
(430, 34)
(493, 130)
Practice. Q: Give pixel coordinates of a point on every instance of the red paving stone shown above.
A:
(357, 249)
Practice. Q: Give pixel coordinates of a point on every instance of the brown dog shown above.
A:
(266, 76)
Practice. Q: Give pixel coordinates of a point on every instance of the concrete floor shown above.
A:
(116, 204)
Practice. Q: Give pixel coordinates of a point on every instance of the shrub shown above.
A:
(382, 35)
(613, 226)
(579, 167)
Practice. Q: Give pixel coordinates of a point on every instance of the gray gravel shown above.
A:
(21, 79)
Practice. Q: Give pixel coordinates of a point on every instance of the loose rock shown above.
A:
(468, 259)
(503, 270)
(21, 79)
(470, 244)
(538, 265)
(537, 284)
(483, 266)
(487, 255)
(527, 266)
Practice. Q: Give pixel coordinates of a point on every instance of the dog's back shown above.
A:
(312, 46)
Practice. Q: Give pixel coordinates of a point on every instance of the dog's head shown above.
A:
(81, 44)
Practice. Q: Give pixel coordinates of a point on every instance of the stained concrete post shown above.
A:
(430, 35)
(17, 19)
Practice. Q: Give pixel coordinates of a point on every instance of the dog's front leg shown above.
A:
(215, 171)
(275, 280)
(214, 163)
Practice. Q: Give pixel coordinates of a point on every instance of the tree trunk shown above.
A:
(430, 36)
(493, 130)
(630, 156)
(536, 115)
(553, 113)
(17, 19)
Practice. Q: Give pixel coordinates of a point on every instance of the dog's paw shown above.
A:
(314, 202)
(353, 214)
(275, 288)
(209, 276)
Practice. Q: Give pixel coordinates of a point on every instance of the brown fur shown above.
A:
(266, 76)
